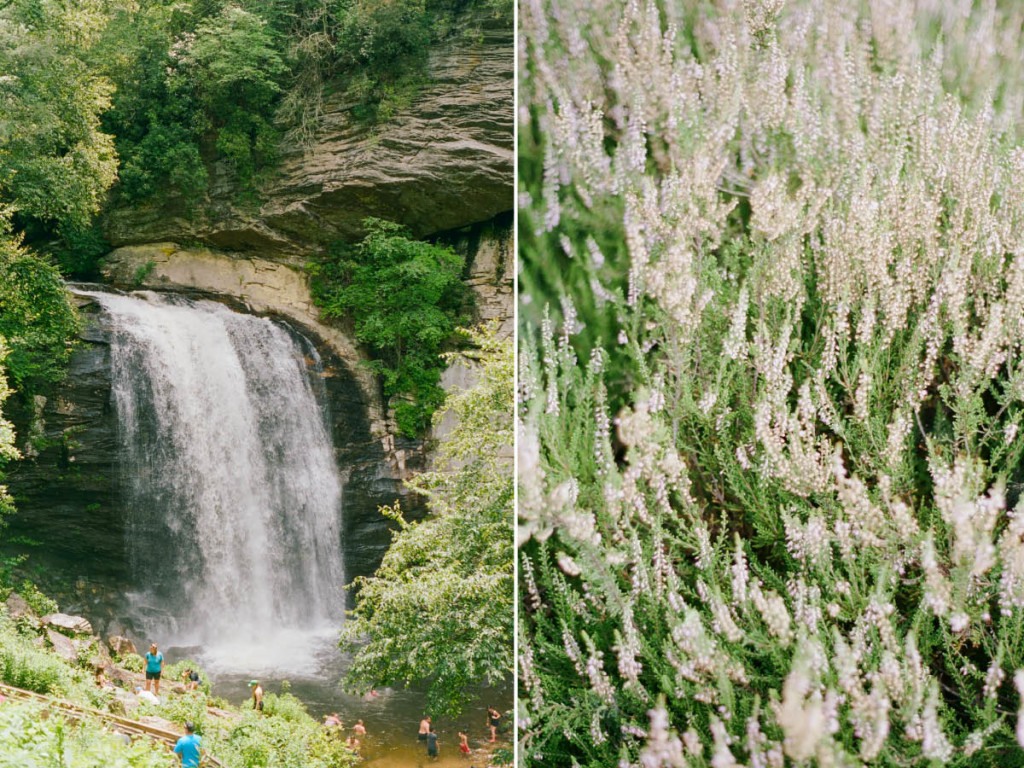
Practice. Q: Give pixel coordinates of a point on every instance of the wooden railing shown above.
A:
(122, 724)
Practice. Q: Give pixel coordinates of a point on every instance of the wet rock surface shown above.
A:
(71, 505)
(441, 163)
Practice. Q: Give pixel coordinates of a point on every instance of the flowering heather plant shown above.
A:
(772, 383)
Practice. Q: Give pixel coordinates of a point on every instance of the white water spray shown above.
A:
(234, 492)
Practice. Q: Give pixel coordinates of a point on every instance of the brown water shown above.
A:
(392, 718)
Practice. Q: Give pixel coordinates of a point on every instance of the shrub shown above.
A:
(35, 737)
(25, 666)
(405, 297)
(36, 318)
(258, 741)
(187, 708)
(132, 662)
(286, 706)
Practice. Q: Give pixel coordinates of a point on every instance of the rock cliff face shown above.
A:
(68, 490)
(71, 499)
(442, 163)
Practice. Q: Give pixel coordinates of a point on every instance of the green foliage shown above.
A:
(24, 665)
(40, 603)
(80, 252)
(32, 737)
(285, 706)
(142, 272)
(189, 707)
(55, 162)
(404, 297)
(439, 608)
(232, 65)
(157, 119)
(133, 662)
(259, 741)
(36, 317)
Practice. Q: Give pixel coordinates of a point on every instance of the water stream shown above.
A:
(234, 498)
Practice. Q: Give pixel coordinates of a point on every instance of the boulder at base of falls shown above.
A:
(120, 645)
(76, 625)
(63, 646)
(18, 607)
(122, 676)
(101, 660)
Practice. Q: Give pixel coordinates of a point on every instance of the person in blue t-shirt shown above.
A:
(154, 667)
(189, 748)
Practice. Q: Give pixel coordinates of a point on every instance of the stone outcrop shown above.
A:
(443, 162)
(262, 286)
(74, 625)
(63, 646)
(18, 608)
(120, 646)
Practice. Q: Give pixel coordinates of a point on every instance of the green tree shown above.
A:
(232, 66)
(438, 611)
(36, 319)
(405, 297)
(56, 163)
(156, 118)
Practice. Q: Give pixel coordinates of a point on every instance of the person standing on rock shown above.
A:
(257, 695)
(189, 747)
(154, 668)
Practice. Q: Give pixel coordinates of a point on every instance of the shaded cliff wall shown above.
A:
(442, 163)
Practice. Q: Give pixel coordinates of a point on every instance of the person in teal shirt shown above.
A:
(154, 667)
(189, 747)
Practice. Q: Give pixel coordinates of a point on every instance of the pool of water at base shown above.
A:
(391, 717)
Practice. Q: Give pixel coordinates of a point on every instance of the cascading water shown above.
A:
(229, 470)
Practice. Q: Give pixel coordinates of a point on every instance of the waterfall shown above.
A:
(228, 468)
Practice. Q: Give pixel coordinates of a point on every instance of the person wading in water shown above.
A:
(424, 729)
(493, 718)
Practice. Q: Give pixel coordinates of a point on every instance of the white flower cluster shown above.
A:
(776, 505)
